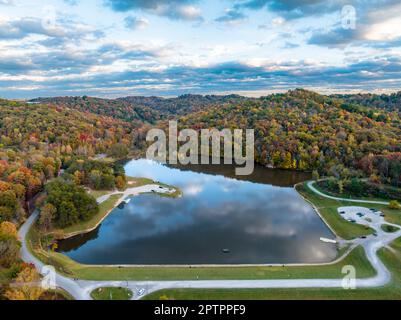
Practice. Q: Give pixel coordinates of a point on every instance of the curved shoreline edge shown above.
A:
(156, 188)
(81, 289)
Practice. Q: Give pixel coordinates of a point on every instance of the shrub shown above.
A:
(394, 205)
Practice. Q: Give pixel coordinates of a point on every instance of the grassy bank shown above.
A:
(328, 210)
(391, 258)
(111, 293)
(391, 215)
(71, 268)
(107, 206)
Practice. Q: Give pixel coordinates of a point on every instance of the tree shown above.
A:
(355, 186)
(340, 186)
(9, 251)
(72, 203)
(394, 205)
(95, 179)
(119, 150)
(315, 175)
(67, 214)
(120, 182)
(9, 244)
(9, 229)
(108, 182)
(27, 286)
(47, 214)
(6, 214)
(8, 199)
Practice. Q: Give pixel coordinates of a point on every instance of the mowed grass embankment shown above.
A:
(111, 293)
(70, 268)
(107, 206)
(328, 210)
(391, 215)
(391, 258)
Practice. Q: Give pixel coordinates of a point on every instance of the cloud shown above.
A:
(134, 23)
(18, 29)
(71, 2)
(7, 2)
(232, 17)
(98, 73)
(173, 9)
(73, 61)
(376, 25)
(24, 27)
(292, 9)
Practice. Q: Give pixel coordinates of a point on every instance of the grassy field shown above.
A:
(138, 182)
(111, 293)
(71, 268)
(328, 210)
(392, 259)
(345, 229)
(388, 228)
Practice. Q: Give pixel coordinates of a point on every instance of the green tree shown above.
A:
(47, 215)
(66, 214)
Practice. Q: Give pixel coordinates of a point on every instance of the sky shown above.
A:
(113, 48)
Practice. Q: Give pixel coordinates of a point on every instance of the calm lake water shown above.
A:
(259, 219)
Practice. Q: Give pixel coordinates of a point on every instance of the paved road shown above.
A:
(80, 289)
(310, 185)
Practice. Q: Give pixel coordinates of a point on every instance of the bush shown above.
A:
(394, 205)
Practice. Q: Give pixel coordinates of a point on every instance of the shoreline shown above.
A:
(156, 188)
(338, 258)
(129, 192)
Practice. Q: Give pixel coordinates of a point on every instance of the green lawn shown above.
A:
(98, 193)
(392, 259)
(138, 182)
(111, 293)
(388, 228)
(71, 268)
(328, 210)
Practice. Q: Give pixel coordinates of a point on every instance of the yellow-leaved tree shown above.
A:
(27, 286)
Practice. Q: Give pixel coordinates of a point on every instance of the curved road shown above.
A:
(311, 183)
(81, 289)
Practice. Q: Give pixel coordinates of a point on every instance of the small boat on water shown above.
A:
(225, 250)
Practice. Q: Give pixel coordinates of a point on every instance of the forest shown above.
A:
(49, 148)
(45, 161)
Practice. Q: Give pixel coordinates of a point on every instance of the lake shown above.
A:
(220, 219)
